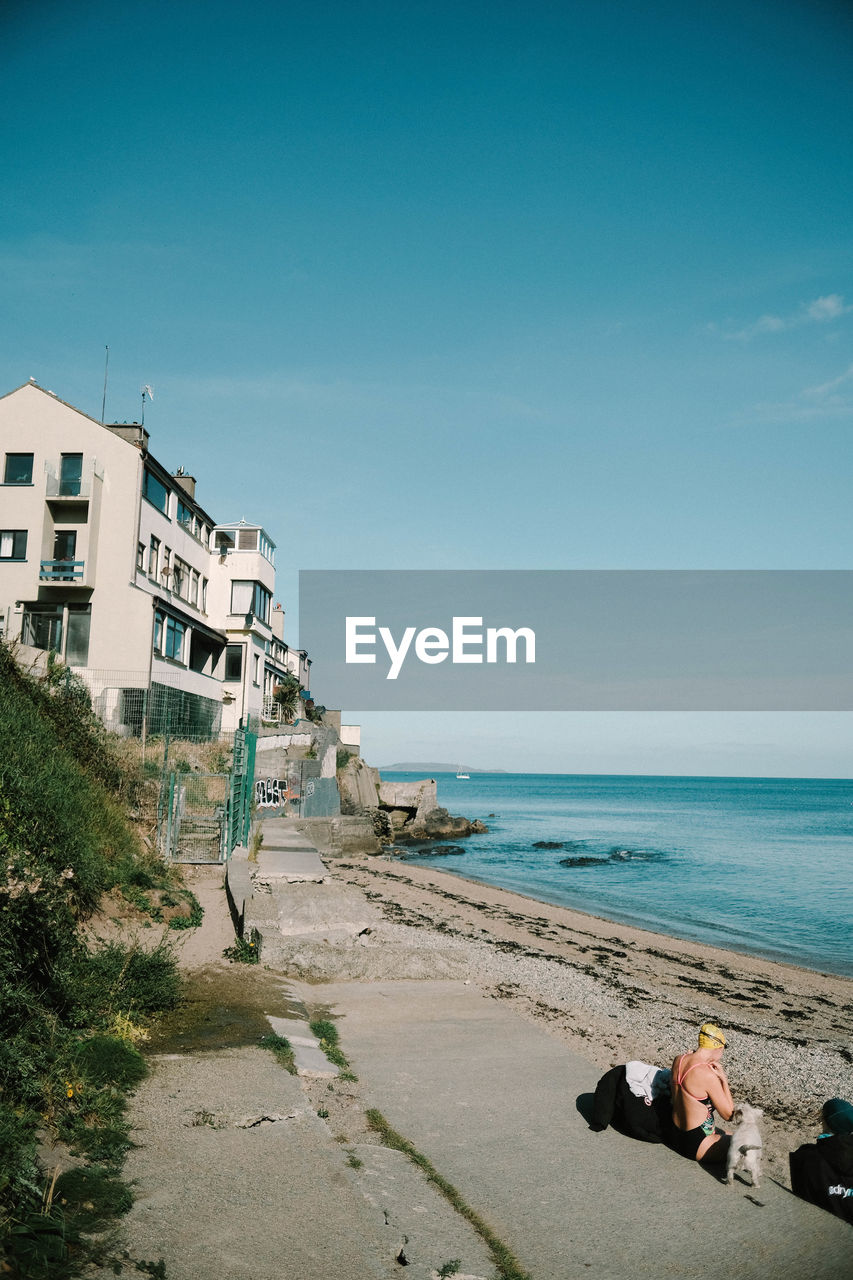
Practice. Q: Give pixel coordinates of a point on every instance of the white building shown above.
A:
(109, 560)
(241, 595)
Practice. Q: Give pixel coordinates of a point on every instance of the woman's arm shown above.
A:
(719, 1091)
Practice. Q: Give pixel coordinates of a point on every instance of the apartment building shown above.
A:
(109, 560)
(242, 588)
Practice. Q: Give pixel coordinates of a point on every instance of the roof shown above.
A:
(33, 385)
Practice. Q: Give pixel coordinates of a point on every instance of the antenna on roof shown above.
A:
(104, 401)
(149, 392)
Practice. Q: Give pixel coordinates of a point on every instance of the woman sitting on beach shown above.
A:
(699, 1087)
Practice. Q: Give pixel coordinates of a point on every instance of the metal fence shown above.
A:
(204, 816)
(132, 705)
(197, 817)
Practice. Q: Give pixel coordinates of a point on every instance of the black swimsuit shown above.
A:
(688, 1141)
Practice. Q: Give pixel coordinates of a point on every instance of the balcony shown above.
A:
(70, 481)
(62, 570)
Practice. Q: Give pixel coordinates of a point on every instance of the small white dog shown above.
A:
(745, 1148)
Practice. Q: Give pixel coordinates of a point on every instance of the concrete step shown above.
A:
(309, 1057)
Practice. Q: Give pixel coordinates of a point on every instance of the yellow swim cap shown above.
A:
(711, 1037)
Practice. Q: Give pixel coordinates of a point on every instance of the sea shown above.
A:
(756, 865)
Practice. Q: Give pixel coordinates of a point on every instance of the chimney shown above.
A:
(277, 621)
(132, 432)
(186, 482)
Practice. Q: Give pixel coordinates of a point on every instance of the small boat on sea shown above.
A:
(460, 774)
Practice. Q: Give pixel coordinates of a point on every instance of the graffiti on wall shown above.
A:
(272, 793)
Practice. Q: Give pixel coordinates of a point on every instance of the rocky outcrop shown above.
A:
(359, 787)
(438, 824)
(401, 812)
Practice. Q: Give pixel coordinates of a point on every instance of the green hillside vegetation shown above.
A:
(71, 1013)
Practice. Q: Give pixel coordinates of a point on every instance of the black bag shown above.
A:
(615, 1104)
(822, 1173)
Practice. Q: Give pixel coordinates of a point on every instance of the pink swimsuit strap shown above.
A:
(679, 1080)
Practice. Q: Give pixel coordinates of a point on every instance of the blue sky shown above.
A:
(459, 286)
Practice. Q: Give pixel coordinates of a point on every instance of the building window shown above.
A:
(185, 515)
(257, 675)
(204, 595)
(154, 557)
(42, 627)
(241, 597)
(77, 634)
(140, 556)
(18, 469)
(247, 539)
(166, 566)
(263, 600)
(13, 544)
(180, 577)
(224, 541)
(194, 587)
(158, 633)
(155, 491)
(70, 475)
(64, 554)
(251, 597)
(65, 544)
(233, 662)
(174, 639)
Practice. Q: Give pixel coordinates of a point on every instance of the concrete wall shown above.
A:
(320, 798)
(421, 795)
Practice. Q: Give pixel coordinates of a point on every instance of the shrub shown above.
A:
(108, 1060)
(118, 978)
(69, 1015)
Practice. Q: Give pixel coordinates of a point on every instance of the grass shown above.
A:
(168, 895)
(508, 1266)
(327, 1033)
(282, 1049)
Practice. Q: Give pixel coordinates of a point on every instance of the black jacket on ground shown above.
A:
(615, 1104)
(822, 1172)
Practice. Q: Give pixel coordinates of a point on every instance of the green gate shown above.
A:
(242, 788)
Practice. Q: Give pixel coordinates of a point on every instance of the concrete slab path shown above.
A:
(235, 1177)
(286, 854)
(491, 1100)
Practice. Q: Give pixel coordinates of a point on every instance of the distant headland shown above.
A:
(430, 766)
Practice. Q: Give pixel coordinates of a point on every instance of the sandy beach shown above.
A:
(614, 992)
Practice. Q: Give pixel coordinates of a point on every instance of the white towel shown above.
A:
(647, 1081)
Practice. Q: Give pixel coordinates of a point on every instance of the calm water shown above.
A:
(761, 865)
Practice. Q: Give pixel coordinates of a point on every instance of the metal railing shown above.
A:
(271, 711)
(62, 570)
(58, 485)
